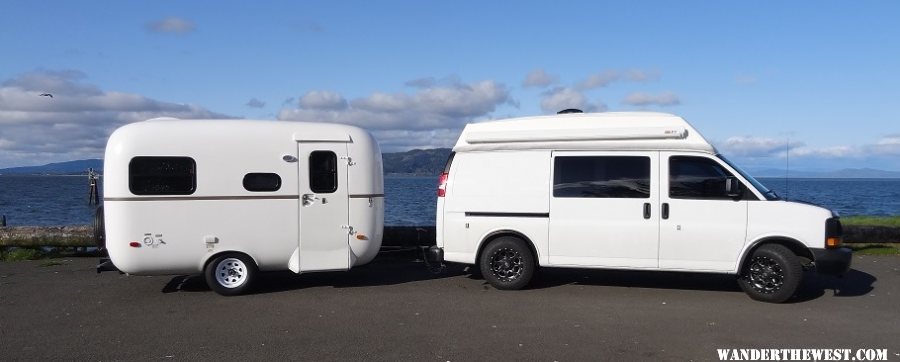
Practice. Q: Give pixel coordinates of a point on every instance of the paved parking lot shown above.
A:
(395, 309)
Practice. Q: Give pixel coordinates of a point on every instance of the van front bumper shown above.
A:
(832, 261)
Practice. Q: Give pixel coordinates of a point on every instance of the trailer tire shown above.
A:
(771, 274)
(507, 263)
(230, 274)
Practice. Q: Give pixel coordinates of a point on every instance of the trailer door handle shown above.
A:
(646, 210)
(665, 210)
(309, 199)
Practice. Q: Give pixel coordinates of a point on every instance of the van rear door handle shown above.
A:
(646, 210)
(665, 210)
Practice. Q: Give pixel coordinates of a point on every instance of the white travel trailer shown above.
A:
(230, 198)
(622, 191)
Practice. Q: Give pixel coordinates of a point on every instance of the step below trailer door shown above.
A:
(324, 230)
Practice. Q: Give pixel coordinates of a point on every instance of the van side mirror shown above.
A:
(733, 187)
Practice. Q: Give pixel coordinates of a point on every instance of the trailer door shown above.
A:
(324, 230)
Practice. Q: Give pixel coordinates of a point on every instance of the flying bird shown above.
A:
(46, 95)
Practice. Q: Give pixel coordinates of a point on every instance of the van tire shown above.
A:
(507, 263)
(230, 274)
(772, 274)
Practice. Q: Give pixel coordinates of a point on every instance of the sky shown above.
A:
(812, 83)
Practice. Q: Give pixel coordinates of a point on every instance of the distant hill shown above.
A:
(413, 162)
(428, 162)
(78, 167)
(845, 173)
(431, 162)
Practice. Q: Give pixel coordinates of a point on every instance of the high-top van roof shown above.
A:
(585, 131)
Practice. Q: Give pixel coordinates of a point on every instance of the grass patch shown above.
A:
(890, 221)
(874, 249)
(19, 254)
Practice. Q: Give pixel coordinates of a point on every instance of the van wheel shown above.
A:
(230, 274)
(772, 274)
(507, 263)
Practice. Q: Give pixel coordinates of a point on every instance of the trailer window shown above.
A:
(602, 176)
(153, 175)
(323, 172)
(262, 182)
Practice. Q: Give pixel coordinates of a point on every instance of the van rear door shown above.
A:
(603, 209)
(324, 210)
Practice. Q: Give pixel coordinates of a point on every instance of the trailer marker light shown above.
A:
(442, 184)
(135, 244)
(360, 236)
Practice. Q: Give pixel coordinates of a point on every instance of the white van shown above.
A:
(230, 198)
(641, 191)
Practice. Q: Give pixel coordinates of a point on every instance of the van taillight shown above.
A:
(442, 184)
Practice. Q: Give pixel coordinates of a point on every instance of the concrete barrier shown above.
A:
(82, 235)
(394, 236)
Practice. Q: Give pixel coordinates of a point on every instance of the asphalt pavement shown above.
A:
(395, 309)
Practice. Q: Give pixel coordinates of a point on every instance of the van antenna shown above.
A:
(787, 165)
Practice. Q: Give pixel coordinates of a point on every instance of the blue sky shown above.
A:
(750, 76)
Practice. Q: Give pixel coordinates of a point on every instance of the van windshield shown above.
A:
(768, 194)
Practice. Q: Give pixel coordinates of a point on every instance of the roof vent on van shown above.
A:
(570, 110)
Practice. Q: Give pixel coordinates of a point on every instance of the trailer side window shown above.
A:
(262, 182)
(323, 172)
(696, 178)
(153, 175)
(601, 176)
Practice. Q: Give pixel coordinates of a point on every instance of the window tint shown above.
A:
(602, 176)
(151, 175)
(323, 172)
(261, 182)
(696, 178)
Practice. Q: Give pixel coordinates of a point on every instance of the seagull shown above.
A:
(46, 95)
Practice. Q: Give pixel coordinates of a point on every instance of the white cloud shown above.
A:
(538, 78)
(642, 99)
(607, 77)
(559, 99)
(75, 123)
(747, 146)
(323, 100)
(433, 106)
(172, 24)
(255, 103)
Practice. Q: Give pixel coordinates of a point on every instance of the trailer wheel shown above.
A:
(507, 263)
(771, 274)
(230, 274)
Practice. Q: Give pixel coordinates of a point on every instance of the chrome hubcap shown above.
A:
(507, 264)
(765, 275)
(231, 273)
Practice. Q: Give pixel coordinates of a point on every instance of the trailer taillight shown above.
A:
(442, 184)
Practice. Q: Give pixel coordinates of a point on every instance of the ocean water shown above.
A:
(410, 201)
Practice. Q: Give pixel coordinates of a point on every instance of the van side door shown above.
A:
(324, 206)
(603, 209)
(701, 228)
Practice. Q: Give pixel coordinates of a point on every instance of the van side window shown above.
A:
(601, 176)
(153, 175)
(696, 178)
(323, 172)
(262, 182)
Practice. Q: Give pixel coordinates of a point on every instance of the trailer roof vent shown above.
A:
(570, 110)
